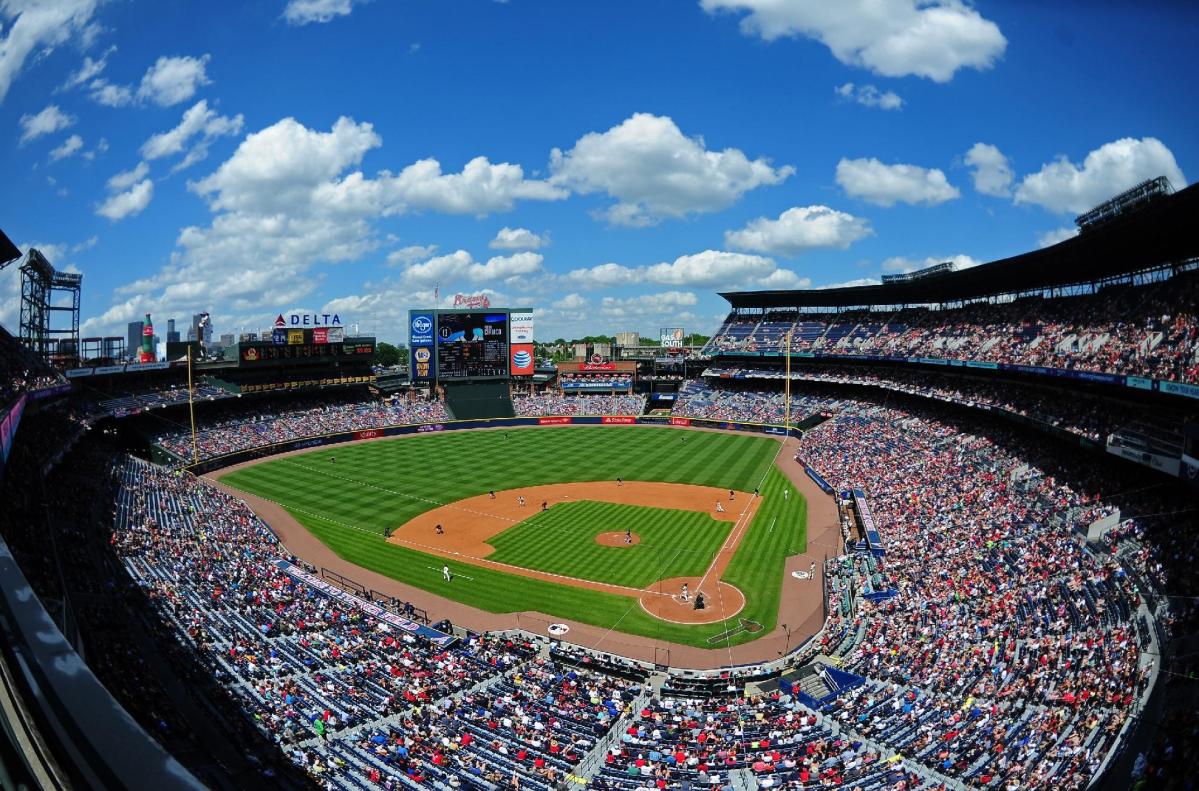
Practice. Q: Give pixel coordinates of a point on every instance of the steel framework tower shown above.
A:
(45, 296)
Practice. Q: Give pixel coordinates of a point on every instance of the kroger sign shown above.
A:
(422, 328)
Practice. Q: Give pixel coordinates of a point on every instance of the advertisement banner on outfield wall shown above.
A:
(521, 363)
(680, 421)
(553, 421)
(618, 420)
(520, 326)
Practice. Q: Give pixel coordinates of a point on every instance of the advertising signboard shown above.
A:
(520, 323)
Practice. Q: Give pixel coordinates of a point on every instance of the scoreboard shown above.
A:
(472, 344)
(317, 345)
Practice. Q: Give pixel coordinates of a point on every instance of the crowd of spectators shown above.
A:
(1087, 416)
(1150, 330)
(19, 372)
(553, 403)
(222, 435)
(701, 400)
(350, 698)
(1010, 651)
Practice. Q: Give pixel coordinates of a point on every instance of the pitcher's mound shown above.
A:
(616, 540)
(665, 600)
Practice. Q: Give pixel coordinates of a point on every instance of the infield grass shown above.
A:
(673, 542)
(375, 486)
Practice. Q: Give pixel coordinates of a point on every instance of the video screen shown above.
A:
(472, 344)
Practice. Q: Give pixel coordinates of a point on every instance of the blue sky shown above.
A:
(611, 164)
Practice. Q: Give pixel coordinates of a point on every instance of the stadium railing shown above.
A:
(95, 742)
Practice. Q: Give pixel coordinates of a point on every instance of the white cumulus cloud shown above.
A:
(460, 266)
(127, 178)
(49, 120)
(517, 239)
(1050, 238)
(88, 70)
(290, 198)
(411, 254)
(798, 229)
(894, 38)
(990, 170)
(1062, 186)
(869, 96)
(653, 171)
(128, 203)
(706, 269)
(886, 185)
(38, 27)
(665, 304)
(303, 12)
(172, 80)
(199, 123)
(70, 147)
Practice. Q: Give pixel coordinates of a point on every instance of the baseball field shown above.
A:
(599, 525)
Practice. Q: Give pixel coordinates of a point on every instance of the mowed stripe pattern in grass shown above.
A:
(377, 486)
(673, 543)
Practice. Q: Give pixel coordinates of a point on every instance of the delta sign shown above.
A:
(308, 320)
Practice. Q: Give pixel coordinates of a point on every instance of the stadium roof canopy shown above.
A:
(1164, 232)
(8, 250)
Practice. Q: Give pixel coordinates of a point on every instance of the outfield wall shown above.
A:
(322, 440)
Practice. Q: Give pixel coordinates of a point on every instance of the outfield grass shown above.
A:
(375, 486)
(673, 543)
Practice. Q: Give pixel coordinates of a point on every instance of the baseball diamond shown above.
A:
(404, 507)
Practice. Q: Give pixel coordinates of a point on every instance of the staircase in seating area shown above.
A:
(478, 400)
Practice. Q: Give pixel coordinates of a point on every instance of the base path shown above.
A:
(467, 525)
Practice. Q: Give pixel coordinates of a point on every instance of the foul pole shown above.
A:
(191, 405)
(787, 380)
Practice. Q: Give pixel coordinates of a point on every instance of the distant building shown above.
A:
(133, 339)
(193, 333)
(628, 339)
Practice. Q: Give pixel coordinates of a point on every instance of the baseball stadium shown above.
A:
(823, 526)
(483, 525)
